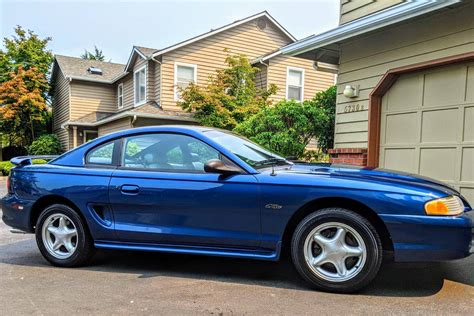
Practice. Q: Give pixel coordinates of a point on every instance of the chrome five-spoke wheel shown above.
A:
(335, 251)
(59, 236)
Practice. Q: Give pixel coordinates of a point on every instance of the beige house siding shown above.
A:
(208, 54)
(88, 97)
(114, 126)
(365, 60)
(127, 82)
(354, 9)
(314, 81)
(61, 96)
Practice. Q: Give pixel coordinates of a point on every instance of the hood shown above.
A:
(369, 174)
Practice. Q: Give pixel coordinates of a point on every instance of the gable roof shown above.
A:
(224, 28)
(77, 68)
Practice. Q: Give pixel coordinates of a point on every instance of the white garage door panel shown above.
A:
(427, 126)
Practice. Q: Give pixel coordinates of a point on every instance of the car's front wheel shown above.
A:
(336, 250)
(62, 237)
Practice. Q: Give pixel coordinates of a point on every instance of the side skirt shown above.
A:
(195, 250)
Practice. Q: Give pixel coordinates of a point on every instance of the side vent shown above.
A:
(101, 214)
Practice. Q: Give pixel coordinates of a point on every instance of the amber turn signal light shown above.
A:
(451, 205)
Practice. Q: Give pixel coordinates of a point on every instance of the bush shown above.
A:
(326, 100)
(285, 128)
(6, 166)
(45, 145)
(315, 156)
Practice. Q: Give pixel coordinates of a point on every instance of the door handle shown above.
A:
(129, 189)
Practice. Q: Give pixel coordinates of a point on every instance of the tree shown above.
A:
(285, 128)
(230, 96)
(326, 100)
(96, 55)
(24, 65)
(23, 106)
(25, 50)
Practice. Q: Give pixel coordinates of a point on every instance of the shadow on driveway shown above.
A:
(394, 280)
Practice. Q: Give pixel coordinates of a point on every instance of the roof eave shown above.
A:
(366, 24)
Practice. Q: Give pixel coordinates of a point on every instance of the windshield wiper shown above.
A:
(270, 162)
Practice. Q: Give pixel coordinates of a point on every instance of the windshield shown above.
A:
(251, 153)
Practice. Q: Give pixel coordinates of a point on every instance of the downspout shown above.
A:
(161, 78)
(134, 119)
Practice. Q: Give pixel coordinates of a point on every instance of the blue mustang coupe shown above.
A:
(199, 190)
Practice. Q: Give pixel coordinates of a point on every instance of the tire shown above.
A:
(341, 236)
(59, 226)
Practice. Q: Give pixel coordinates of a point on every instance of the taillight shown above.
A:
(9, 185)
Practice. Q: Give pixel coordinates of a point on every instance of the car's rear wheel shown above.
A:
(62, 237)
(336, 250)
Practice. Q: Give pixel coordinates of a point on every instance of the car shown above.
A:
(199, 190)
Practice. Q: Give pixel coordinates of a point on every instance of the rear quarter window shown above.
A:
(101, 155)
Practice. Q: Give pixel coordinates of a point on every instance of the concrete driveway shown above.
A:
(152, 283)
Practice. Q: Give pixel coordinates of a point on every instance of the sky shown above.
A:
(115, 26)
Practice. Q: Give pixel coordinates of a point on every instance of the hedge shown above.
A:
(5, 166)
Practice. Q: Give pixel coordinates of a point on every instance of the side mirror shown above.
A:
(217, 166)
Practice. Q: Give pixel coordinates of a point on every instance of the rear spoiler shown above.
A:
(28, 160)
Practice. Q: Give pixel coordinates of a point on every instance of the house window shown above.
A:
(184, 75)
(139, 81)
(294, 84)
(120, 96)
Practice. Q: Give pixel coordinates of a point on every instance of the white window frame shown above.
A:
(119, 87)
(176, 65)
(87, 131)
(302, 81)
(135, 87)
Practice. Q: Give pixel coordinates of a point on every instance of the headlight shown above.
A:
(451, 205)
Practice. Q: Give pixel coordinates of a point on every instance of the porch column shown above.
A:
(74, 136)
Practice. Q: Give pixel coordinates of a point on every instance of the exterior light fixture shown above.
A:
(351, 92)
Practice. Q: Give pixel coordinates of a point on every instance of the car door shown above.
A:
(161, 194)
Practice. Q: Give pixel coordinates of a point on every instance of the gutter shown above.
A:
(113, 80)
(135, 115)
(366, 24)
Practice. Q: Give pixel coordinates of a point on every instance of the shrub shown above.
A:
(45, 145)
(326, 100)
(285, 128)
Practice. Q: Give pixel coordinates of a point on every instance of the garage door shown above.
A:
(427, 126)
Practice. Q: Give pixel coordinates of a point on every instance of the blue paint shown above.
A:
(204, 213)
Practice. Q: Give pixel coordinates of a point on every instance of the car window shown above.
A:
(101, 155)
(167, 152)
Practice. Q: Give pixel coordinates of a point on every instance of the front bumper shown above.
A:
(430, 238)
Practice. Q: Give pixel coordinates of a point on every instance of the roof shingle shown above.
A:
(74, 67)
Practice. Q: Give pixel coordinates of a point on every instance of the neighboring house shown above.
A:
(405, 86)
(92, 98)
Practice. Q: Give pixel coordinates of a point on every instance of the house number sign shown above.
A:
(353, 108)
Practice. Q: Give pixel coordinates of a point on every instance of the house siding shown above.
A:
(261, 77)
(88, 97)
(314, 81)
(365, 60)
(61, 97)
(127, 90)
(354, 9)
(209, 54)
(114, 126)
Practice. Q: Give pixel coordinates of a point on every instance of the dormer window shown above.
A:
(139, 83)
(94, 71)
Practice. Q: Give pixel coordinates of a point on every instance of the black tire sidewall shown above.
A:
(357, 222)
(84, 246)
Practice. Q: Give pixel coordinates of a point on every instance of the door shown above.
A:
(427, 126)
(161, 194)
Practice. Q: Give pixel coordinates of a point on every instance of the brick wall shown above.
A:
(348, 156)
